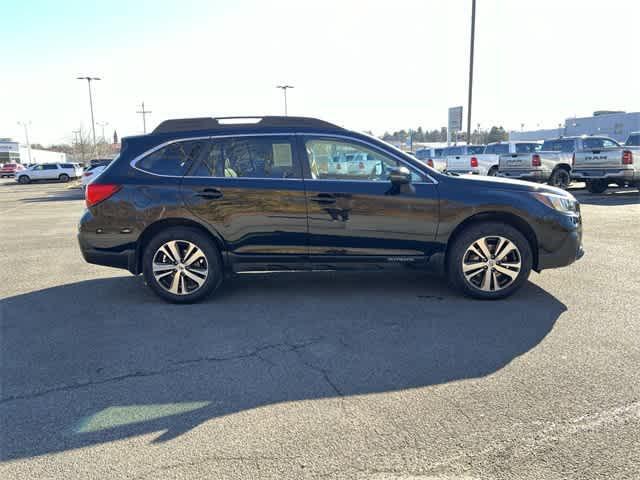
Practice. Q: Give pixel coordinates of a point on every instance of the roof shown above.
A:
(230, 123)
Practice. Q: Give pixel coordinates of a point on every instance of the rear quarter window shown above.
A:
(173, 159)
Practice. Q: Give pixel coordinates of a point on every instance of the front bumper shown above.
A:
(530, 175)
(625, 174)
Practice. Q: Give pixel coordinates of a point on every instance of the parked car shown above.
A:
(487, 162)
(90, 173)
(10, 169)
(452, 155)
(602, 161)
(432, 157)
(50, 171)
(199, 198)
(551, 164)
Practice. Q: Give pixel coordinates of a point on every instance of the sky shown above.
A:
(365, 65)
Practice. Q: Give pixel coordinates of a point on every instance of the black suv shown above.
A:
(199, 198)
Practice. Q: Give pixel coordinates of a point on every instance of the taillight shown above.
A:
(535, 160)
(430, 162)
(474, 162)
(627, 157)
(361, 166)
(98, 192)
(338, 166)
(88, 174)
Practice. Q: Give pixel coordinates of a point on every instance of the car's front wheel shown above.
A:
(489, 260)
(182, 265)
(23, 179)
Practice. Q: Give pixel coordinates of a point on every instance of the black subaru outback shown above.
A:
(201, 198)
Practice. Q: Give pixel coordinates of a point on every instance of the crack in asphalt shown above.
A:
(172, 367)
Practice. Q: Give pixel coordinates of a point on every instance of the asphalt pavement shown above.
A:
(288, 376)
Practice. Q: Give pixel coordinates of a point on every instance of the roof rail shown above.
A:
(219, 123)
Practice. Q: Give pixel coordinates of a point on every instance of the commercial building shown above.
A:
(617, 125)
(14, 152)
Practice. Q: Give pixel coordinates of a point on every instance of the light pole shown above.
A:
(93, 123)
(284, 90)
(25, 125)
(473, 34)
(144, 112)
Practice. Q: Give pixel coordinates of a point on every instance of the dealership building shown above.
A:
(14, 152)
(614, 124)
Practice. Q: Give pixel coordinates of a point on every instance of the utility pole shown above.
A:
(473, 34)
(25, 125)
(93, 123)
(102, 125)
(284, 90)
(144, 112)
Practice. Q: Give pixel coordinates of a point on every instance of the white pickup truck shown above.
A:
(602, 161)
(552, 164)
(432, 156)
(486, 163)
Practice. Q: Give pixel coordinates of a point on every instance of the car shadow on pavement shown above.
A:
(611, 197)
(104, 360)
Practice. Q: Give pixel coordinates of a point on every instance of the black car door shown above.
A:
(355, 214)
(250, 190)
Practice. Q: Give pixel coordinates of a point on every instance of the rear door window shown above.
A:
(49, 167)
(246, 157)
(173, 159)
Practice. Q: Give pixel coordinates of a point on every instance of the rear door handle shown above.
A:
(324, 199)
(210, 193)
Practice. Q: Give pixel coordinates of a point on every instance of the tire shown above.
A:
(560, 178)
(186, 289)
(597, 186)
(23, 179)
(493, 171)
(500, 285)
(63, 178)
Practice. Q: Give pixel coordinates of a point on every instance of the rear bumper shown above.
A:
(124, 258)
(472, 171)
(530, 175)
(626, 174)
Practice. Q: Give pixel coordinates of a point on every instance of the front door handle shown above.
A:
(324, 199)
(209, 193)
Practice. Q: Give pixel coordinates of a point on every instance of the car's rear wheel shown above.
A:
(489, 260)
(560, 178)
(182, 265)
(597, 186)
(64, 177)
(23, 179)
(493, 171)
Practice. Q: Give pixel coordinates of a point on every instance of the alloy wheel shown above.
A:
(180, 267)
(491, 263)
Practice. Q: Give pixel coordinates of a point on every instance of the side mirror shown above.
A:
(400, 176)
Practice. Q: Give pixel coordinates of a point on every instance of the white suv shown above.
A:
(50, 171)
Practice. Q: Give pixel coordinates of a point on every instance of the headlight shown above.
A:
(564, 204)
